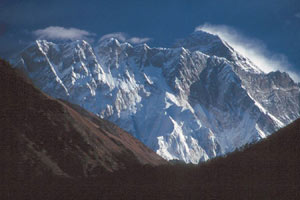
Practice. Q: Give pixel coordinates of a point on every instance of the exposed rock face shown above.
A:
(42, 136)
(192, 102)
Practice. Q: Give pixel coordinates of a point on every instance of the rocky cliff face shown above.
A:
(191, 102)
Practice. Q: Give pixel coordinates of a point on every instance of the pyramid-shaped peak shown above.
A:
(199, 38)
(109, 42)
(207, 43)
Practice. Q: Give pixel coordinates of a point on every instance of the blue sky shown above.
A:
(270, 26)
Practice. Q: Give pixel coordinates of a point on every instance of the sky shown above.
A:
(267, 30)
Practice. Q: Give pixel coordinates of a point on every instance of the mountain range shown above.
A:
(194, 101)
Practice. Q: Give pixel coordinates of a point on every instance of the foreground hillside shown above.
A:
(267, 170)
(43, 136)
(50, 150)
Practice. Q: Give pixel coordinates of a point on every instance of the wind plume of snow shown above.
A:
(254, 49)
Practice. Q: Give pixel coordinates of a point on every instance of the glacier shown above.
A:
(194, 101)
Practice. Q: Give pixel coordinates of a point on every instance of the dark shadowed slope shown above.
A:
(269, 169)
(40, 135)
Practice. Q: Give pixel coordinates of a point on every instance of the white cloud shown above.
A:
(137, 40)
(254, 49)
(123, 37)
(119, 36)
(61, 33)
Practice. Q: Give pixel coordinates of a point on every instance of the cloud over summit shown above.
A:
(61, 33)
(123, 37)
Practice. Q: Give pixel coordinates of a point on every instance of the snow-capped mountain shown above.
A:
(192, 102)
